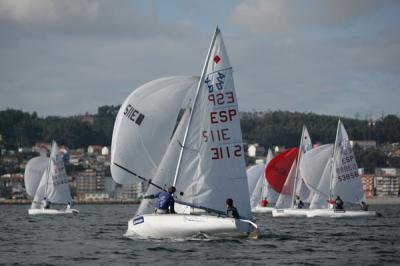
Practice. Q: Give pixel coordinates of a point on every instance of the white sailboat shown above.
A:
(339, 178)
(46, 178)
(294, 185)
(259, 187)
(185, 131)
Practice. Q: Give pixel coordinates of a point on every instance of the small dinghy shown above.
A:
(185, 132)
(332, 171)
(45, 178)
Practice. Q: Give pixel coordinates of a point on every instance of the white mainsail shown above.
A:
(144, 127)
(294, 184)
(212, 166)
(346, 181)
(300, 188)
(54, 182)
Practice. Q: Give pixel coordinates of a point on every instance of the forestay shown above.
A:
(212, 166)
(144, 126)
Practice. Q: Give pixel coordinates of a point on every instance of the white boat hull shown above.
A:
(339, 213)
(290, 212)
(179, 226)
(260, 209)
(52, 211)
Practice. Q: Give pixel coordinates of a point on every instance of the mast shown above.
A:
(333, 162)
(217, 31)
(297, 166)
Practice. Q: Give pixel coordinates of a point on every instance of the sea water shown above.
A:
(95, 237)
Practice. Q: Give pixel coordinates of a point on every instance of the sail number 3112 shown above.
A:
(226, 152)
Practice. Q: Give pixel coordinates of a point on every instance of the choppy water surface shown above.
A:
(95, 237)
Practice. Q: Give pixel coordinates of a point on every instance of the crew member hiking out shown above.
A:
(165, 201)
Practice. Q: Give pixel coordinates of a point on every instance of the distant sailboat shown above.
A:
(185, 131)
(46, 178)
(294, 185)
(339, 177)
(259, 188)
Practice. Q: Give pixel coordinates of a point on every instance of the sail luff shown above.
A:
(194, 104)
(333, 160)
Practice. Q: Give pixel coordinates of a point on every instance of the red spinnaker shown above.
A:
(279, 168)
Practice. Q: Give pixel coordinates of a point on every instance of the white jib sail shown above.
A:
(212, 168)
(346, 181)
(165, 172)
(312, 167)
(255, 175)
(33, 173)
(54, 183)
(261, 189)
(144, 126)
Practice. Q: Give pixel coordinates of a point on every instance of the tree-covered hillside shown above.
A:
(22, 129)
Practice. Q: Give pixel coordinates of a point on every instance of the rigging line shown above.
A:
(221, 70)
(138, 176)
(177, 200)
(207, 209)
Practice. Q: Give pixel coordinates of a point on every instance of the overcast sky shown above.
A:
(327, 57)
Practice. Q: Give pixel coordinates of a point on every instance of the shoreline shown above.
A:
(370, 201)
(77, 202)
(383, 200)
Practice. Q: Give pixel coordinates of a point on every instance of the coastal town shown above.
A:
(90, 180)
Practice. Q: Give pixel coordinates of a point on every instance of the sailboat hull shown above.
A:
(339, 213)
(52, 211)
(260, 209)
(178, 226)
(290, 212)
